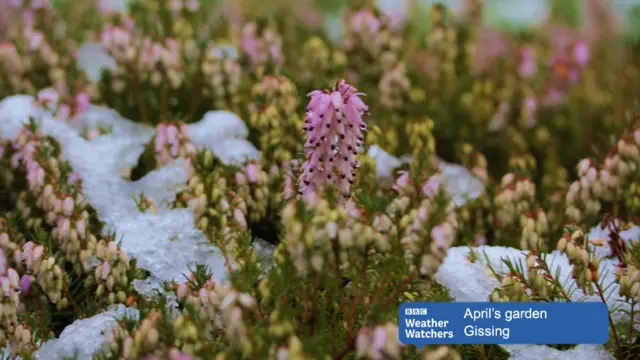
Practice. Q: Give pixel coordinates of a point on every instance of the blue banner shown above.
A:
(503, 323)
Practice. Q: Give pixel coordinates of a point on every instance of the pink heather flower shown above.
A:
(27, 19)
(581, 53)
(25, 283)
(554, 97)
(106, 268)
(561, 37)
(239, 217)
(249, 40)
(74, 177)
(192, 5)
(47, 98)
(530, 108)
(365, 20)
(563, 69)
(334, 125)
(309, 16)
(39, 4)
(480, 239)
(252, 171)
(441, 235)
(179, 355)
(82, 102)
(105, 8)
(36, 40)
(527, 67)
(431, 187)
(487, 48)
(7, 48)
(379, 338)
(402, 181)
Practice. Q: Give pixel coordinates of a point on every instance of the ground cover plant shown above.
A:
(188, 179)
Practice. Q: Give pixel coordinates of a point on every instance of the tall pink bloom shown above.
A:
(334, 125)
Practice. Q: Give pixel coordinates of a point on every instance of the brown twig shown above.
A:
(396, 294)
(350, 345)
(631, 321)
(71, 301)
(142, 110)
(195, 97)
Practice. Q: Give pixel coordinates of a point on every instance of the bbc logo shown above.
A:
(415, 311)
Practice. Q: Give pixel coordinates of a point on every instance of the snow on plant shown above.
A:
(52, 241)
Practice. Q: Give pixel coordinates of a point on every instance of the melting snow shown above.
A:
(461, 184)
(166, 243)
(83, 338)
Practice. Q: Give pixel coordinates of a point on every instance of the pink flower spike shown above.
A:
(334, 126)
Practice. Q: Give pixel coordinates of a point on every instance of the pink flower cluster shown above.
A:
(62, 103)
(261, 48)
(605, 182)
(26, 145)
(487, 48)
(172, 141)
(9, 282)
(334, 125)
(379, 343)
(122, 42)
(186, 5)
(566, 64)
